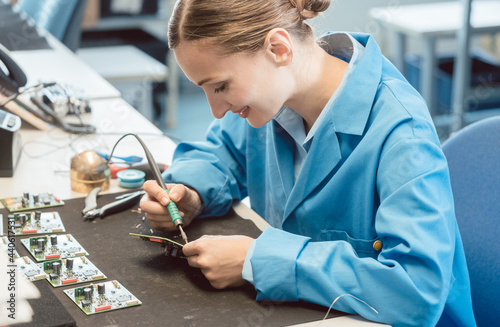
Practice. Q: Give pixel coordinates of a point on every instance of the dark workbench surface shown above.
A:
(172, 293)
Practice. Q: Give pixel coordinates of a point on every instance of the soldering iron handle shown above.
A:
(174, 212)
(152, 164)
(172, 207)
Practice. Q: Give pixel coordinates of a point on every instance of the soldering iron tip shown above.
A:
(183, 235)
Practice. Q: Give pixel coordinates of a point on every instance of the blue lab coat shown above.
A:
(371, 213)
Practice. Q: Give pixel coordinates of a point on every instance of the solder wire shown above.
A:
(171, 207)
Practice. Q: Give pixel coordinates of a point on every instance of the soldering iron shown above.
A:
(171, 207)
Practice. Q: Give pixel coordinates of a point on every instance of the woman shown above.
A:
(335, 150)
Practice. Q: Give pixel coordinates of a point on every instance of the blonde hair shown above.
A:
(240, 25)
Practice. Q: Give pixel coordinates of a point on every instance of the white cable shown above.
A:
(338, 297)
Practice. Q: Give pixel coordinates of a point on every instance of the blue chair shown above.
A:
(62, 19)
(473, 155)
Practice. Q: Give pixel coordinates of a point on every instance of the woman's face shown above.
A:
(249, 85)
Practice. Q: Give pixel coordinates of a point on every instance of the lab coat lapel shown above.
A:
(323, 157)
(349, 114)
(282, 170)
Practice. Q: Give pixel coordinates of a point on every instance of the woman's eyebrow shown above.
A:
(203, 81)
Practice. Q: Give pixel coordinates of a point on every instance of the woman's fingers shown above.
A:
(154, 204)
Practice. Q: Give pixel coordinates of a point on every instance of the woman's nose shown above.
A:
(218, 106)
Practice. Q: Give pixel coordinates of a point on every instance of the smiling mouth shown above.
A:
(242, 111)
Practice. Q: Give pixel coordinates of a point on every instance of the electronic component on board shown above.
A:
(56, 267)
(101, 289)
(66, 247)
(64, 99)
(71, 271)
(31, 202)
(29, 269)
(172, 248)
(41, 243)
(102, 297)
(37, 222)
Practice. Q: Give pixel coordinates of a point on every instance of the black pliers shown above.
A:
(124, 202)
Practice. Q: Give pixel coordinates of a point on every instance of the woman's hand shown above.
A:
(220, 258)
(154, 204)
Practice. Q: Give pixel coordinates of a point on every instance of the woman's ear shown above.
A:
(279, 46)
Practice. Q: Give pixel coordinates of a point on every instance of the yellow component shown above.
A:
(83, 259)
(42, 275)
(98, 276)
(25, 259)
(130, 302)
(115, 283)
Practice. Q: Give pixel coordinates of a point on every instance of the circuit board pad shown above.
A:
(31, 202)
(102, 297)
(71, 271)
(172, 248)
(30, 269)
(53, 247)
(37, 222)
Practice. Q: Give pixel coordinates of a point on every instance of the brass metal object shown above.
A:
(89, 170)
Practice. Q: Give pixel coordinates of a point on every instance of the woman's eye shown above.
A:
(220, 88)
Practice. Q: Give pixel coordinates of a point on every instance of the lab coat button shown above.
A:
(377, 245)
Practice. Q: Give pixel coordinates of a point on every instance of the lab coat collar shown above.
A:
(350, 111)
(348, 114)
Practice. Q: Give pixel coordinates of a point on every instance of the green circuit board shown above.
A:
(102, 297)
(71, 271)
(53, 247)
(31, 202)
(37, 222)
(30, 269)
(172, 248)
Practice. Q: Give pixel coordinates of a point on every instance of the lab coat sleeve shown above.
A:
(408, 283)
(214, 168)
